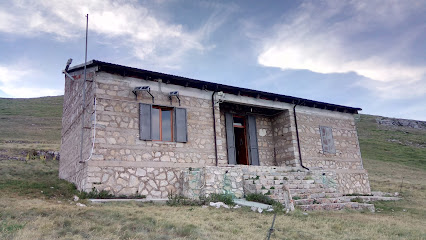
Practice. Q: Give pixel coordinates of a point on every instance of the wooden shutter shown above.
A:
(230, 138)
(327, 140)
(145, 121)
(252, 140)
(180, 131)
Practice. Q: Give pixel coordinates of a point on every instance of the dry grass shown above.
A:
(26, 213)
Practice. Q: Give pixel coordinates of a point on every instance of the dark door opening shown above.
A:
(241, 140)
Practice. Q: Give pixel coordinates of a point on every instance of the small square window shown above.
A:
(327, 139)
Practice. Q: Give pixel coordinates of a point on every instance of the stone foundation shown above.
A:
(149, 181)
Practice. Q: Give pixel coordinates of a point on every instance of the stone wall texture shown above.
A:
(69, 167)
(123, 164)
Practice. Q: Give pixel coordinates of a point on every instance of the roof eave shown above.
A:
(194, 83)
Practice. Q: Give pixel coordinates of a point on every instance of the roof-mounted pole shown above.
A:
(84, 93)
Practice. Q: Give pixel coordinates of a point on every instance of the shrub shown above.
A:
(225, 198)
(308, 178)
(357, 199)
(257, 197)
(179, 200)
(95, 194)
(358, 194)
(296, 198)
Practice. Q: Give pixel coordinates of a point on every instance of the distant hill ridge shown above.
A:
(401, 122)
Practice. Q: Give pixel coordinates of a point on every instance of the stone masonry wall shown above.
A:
(344, 136)
(284, 140)
(265, 141)
(355, 182)
(202, 182)
(117, 133)
(347, 161)
(69, 167)
(153, 182)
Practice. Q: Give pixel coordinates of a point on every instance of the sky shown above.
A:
(369, 54)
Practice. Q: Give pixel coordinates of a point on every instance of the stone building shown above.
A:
(157, 134)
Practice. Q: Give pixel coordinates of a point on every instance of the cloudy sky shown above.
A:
(369, 54)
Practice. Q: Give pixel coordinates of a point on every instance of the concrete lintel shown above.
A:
(255, 102)
(155, 86)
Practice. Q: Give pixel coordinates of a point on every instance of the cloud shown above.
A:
(367, 37)
(17, 80)
(127, 24)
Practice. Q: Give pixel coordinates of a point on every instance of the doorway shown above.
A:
(241, 140)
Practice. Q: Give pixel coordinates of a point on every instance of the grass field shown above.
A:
(27, 124)
(35, 204)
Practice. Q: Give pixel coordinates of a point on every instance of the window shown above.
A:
(327, 139)
(159, 123)
(162, 124)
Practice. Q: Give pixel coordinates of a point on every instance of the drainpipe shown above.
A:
(297, 136)
(214, 128)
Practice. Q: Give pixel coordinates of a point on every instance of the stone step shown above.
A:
(291, 183)
(321, 200)
(273, 171)
(315, 195)
(337, 206)
(277, 176)
(312, 190)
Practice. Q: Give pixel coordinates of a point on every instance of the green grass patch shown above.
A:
(390, 144)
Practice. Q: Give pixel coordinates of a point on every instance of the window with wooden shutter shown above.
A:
(327, 139)
(159, 123)
(145, 121)
(181, 132)
(252, 137)
(230, 138)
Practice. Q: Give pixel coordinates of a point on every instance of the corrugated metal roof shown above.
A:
(194, 83)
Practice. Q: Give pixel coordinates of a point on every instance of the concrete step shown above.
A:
(337, 206)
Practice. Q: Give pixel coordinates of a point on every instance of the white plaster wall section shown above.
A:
(165, 87)
(231, 98)
(324, 113)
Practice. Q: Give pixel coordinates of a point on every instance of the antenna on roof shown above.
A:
(84, 92)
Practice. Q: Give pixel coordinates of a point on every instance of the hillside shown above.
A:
(35, 204)
(26, 124)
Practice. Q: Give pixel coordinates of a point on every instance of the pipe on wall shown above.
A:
(297, 136)
(214, 128)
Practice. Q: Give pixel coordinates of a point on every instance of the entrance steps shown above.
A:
(301, 189)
